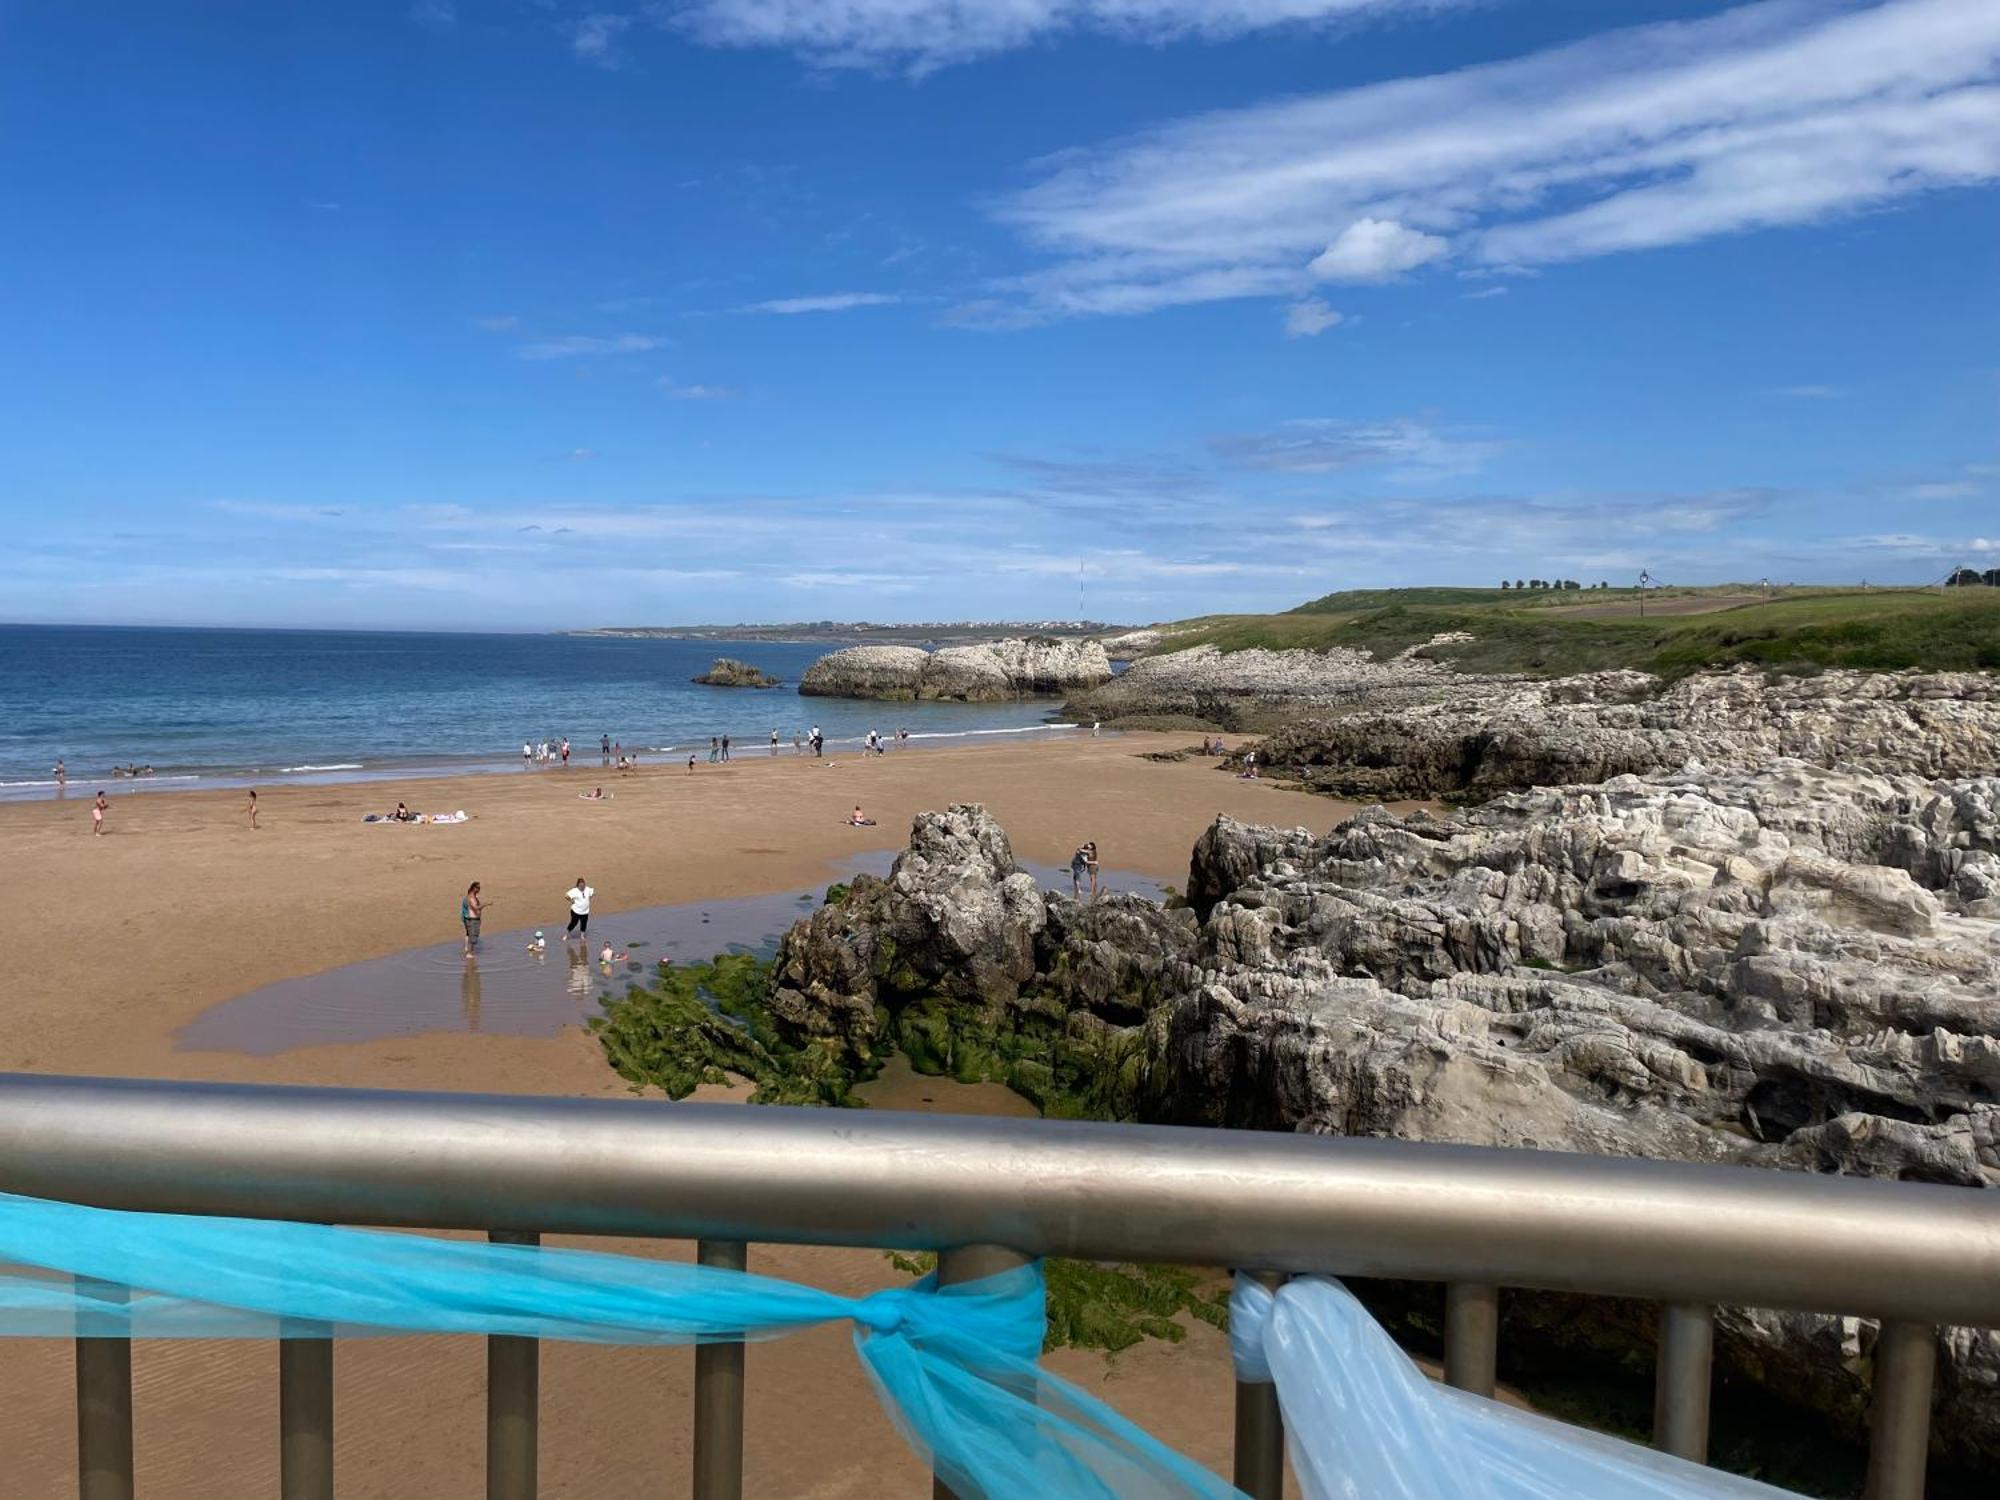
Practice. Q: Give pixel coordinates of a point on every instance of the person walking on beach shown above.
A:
(774, 742)
(469, 912)
(579, 910)
(97, 812)
(714, 749)
(250, 808)
(62, 778)
(527, 754)
(604, 749)
(1083, 863)
(565, 752)
(818, 741)
(725, 747)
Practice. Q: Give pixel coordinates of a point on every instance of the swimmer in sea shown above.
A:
(856, 820)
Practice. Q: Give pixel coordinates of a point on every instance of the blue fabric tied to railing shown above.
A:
(1361, 1420)
(954, 1366)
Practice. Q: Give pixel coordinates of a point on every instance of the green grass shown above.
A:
(1878, 630)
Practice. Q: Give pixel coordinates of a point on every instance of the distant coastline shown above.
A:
(857, 632)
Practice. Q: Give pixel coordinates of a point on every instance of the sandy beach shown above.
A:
(126, 938)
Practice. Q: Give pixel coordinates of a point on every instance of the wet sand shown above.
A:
(123, 940)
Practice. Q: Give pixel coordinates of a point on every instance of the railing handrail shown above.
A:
(1669, 1231)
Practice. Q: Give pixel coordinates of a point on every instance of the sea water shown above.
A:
(230, 707)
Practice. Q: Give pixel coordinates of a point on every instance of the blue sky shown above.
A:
(519, 313)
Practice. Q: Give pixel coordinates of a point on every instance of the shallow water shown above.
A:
(508, 991)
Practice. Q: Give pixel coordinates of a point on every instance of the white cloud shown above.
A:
(1309, 318)
(1377, 250)
(1787, 112)
(579, 345)
(497, 323)
(1951, 489)
(1485, 292)
(697, 391)
(1411, 450)
(434, 15)
(592, 38)
(926, 34)
(831, 302)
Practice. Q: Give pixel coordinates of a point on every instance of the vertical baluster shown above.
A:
(513, 1403)
(718, 1395)
(103, 1405)
(1899, 1411)
(972, 1263)
(1260, 1430)
(1471, 1336)
(1681, 1381)
(305, 1418)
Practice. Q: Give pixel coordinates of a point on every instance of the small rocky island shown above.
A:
(727, 671)
(1026, 667)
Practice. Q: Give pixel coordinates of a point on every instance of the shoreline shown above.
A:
(357, 773)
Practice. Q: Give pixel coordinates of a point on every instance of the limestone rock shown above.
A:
(727, 671)
(988, 673)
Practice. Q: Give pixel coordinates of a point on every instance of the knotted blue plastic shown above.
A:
(954, 1366)
(1362, 1420)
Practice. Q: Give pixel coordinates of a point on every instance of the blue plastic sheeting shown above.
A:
(954, 1366)
(1362, 1421)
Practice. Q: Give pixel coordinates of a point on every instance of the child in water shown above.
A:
(539, 945)
(608, 957)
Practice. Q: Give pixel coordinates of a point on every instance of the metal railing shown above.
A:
(988, 1193)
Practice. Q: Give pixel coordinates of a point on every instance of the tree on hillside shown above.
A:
(1505, 584)
(1963, 578)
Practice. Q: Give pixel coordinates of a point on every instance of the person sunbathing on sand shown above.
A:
(402, 814)
(857, 821)
(595, 794)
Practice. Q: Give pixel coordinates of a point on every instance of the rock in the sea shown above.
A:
(727, 671)
(988, 673)
(1784, 966)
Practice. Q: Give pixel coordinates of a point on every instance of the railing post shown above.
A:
(1899, 1411)
(1260, 1429)
(718, 1394)
(1472, 1336)
(103, 1408)
(971, 1263)
(1681, 1380)
(513, 1400)
(305, 1418)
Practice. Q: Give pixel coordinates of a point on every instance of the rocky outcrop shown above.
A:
(989, 673)
(727, 671)
(1784, 966)
(1241, 689)
(1483, 739)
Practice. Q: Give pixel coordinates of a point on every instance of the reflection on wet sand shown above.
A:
(510, 988)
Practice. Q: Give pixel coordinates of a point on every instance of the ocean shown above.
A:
(235, 707)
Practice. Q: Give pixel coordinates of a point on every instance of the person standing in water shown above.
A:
(579, 910)
(725, 747)
(250, 807)
(62, 778)
(470, 910)
(774, 742)
(97, 812)
(604, 749)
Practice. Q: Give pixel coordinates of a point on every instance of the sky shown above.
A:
(530, 314)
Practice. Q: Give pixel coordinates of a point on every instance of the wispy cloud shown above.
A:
(1411, 451)
(831, 302)
(265, 510)
(1309, 318)
(1949, 489)
(497, 322)
(922, 35)
(697, 391)
(593, 37)
(1787, 112)
(434, 15)
(577, 346)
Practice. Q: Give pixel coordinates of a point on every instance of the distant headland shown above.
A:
(920, 633)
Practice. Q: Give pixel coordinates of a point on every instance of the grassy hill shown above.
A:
(1551, 633)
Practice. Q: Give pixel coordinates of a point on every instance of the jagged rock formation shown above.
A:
(1788, 966)
(727, 671)
(988, 673)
